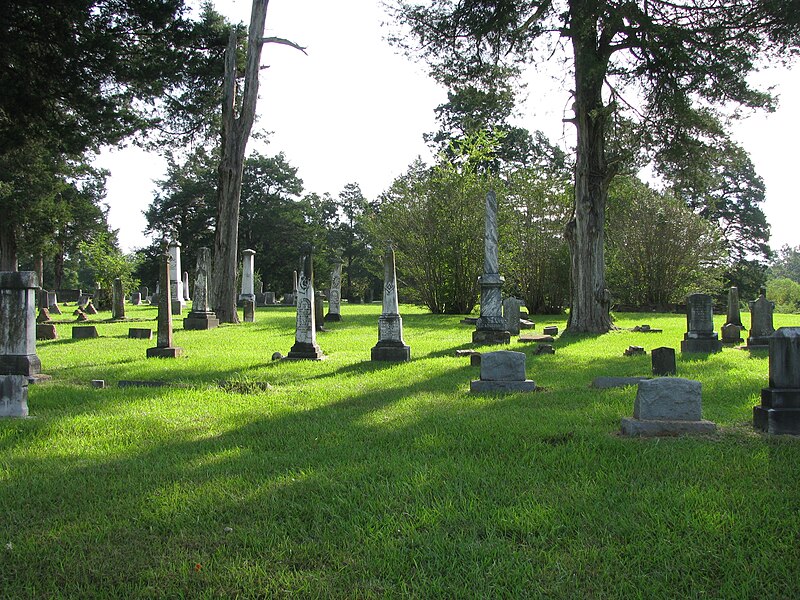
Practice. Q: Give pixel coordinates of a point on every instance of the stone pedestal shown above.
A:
(201, 316)
(491, 327)
(305, 339)
(18, 323)
(502, 371)
(175, 282)
(164, 347)
(390, 346)
(248, 276)
(732, 334)
(779, 412)
(700, 335)
(667, 406)
(117, 300)
(335, 295)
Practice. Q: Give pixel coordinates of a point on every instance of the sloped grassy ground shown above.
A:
(353, 479)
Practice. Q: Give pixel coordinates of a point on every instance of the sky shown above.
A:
(354, 110)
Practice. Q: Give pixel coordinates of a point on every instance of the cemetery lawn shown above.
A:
(348, 478)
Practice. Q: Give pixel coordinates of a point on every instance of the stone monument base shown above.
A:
(483, 385)
(333, 317)
(489, 336)
(201, 321)
(13, 396)
(759, 342)
(46, 331)
(20, 364)
(644, 427)
(305, 351)
(171, 352)
(709, 344)
(394, 353)
(779, 412)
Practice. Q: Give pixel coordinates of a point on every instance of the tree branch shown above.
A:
(284, 42)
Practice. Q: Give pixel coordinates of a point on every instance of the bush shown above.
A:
(785, 293)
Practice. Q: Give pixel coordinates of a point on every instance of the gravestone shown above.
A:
(502, 371)
(164, 347)
(144, 291)
(186, 286)
(102, 299)
(90, 309)
(550, 330)
(511, 313)
(335, 294)
(18, 324)
(84, 332)
(305, 338)
(46, 331)
(201, 316)
(69, 295)
(635, 351)
(700, 335)
(14, 393)
(390, 346)
(81, 316)
(118, 301)
(140, 333)
(289, 299)
(779, 411)
(136, 298)
(248, 310)
(491, 327)
(319, 310)
(175, 289)
(248, 281)
(54, 309)
(83, 300)
(761, 327)
(269, 298)
(663, 361)
(43, 316)
(52, 303)
(732, 329)
(667, 406)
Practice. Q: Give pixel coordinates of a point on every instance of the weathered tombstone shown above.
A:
(83, 300)
(84, 332)
(140, 333)
(779, 411)
(732, 329)
(700, 335)
(491, 327)
(156, 295)
(667, 406)
(164, 347)
(90, 309)
(663, 361)
(52, 303)
(144, 291)
(550, 330)
(186, 286)
(289, 299)
(761, 327)
(319, 310)
(502, 371)
(54, 309)
(635, 351)
(201, 316)
(175, 282)
(46, 331)
(248, 310)
(101, 299)
(305, 337)
(14, 394)
(43, 316)
(18, 325)
(248, 282)
(390, 346)
(511, 313)
(335, 295)
(118, 302)
(81, 316)
(269, 298)
(136, 298)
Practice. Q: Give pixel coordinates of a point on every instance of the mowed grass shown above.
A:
(348, 478)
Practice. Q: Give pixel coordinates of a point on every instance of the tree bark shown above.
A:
(8, 246)
(235, 134)
(591, 301)
(58, 266)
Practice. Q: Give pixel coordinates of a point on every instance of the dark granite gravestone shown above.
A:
(136, 298)
(550, 330)
(164, 347)
(779, 411)
(13, 394)
(84, 332)
(761, 327)
(390, 346)
(201, 316)
(700, 335)
(140, 333)
(663, 361)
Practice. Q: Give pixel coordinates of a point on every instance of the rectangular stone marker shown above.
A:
(663, 361)
(761, 327)
(84, 332)
(269, 298)
(46, 331)
(511, 313)
(502, 371)
(118, 300)
(140, 333)
(164, 347)
(18, 323)
(667, 406)
(550, 330)
(136, 298)
(249, 310)
(700, 335)
(13, 396)
(779, 412)
(201, 316)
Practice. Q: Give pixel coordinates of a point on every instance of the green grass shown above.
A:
(353, 479)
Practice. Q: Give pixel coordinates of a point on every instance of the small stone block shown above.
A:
(651, 428)
(503, 365)
(526, 324)
(13, 396)
(635, 351)
(463, 353)
(46, 331)
(140, 333)
(391, 353)
(98, 383)
(171, 352)
(544, 349)
(777, 421)
(550, 330)
(731, 334)
(502, 387)
(55, 310)
(90, 309)
(475, 359)
(84, 332)
(707, 345)
(490, 337)
(604, 383)
(668, 399)
(548, 339)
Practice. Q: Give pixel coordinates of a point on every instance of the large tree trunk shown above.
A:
(8, 246)
(590, 298)
(235, 133)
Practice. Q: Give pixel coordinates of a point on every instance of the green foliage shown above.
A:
(785, 293)
(105, 262)
(786, 263)
(658, 250)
